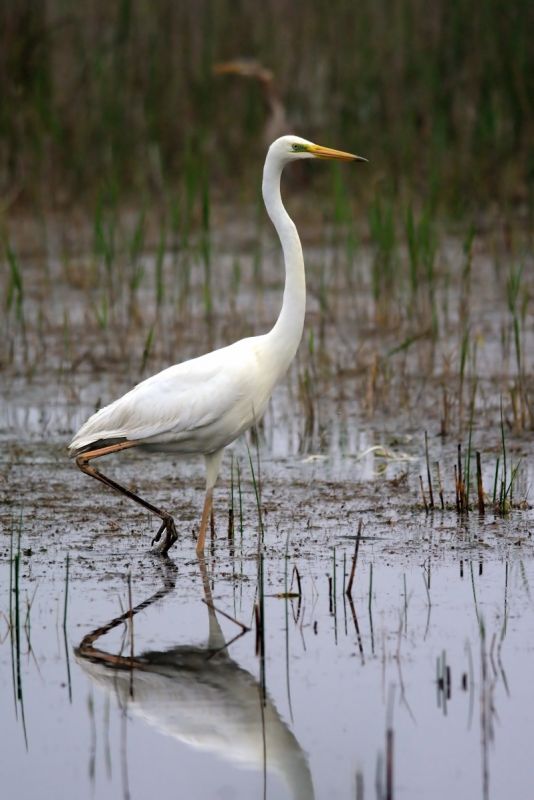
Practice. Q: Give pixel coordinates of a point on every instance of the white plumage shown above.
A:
(201, 405)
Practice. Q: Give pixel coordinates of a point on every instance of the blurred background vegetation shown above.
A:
(121, 97)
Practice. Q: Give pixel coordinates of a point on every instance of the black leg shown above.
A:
(167, 521)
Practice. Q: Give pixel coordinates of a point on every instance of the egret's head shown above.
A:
(245, 67)
(291, 148)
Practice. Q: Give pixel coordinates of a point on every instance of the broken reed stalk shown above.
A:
(461, 491)
(258, 628)
(480, 487)
(428, 475)
(459, 467)
(354, 559)
(259, 612)
(503, 446)
(456, 488)
(258, 498)
(231, 524)
(467, 469)
(441, 498)
(423, 493)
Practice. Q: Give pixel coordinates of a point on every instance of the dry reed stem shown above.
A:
(480, 487)
(423, 493)
(354, 559)
(428, 475)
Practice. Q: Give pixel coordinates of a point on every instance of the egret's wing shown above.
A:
(180, 399)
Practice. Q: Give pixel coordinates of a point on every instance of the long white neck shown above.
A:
(285, 336)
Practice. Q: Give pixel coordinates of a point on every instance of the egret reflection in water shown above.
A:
(200, 696)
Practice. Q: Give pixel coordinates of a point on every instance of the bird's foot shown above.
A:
(162, 544)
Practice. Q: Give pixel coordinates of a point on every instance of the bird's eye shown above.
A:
(296, 147)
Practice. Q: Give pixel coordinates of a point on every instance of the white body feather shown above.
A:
(201, 405)
(198, 406)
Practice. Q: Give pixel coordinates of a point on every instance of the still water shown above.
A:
(433, 655)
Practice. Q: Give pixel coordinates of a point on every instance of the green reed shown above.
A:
(257, 495)
(115, 94)
(383, 235)
(205, 249)
(15, 284)
(147, 348)
(135, 251)
(422, 245)
(159, 277)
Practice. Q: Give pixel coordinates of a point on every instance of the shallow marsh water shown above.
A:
(419, 687)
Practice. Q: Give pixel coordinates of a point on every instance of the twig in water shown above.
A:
(296, 573)
(428, 475)
(441, 500)
(242, 625)
(354, 559)
(257, 620)
(461, 487)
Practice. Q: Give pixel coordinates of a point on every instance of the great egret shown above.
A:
(201, 405)
(277, 121)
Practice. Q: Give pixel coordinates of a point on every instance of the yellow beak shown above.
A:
(328, 152)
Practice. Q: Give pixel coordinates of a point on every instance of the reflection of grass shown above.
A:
(15, 621)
